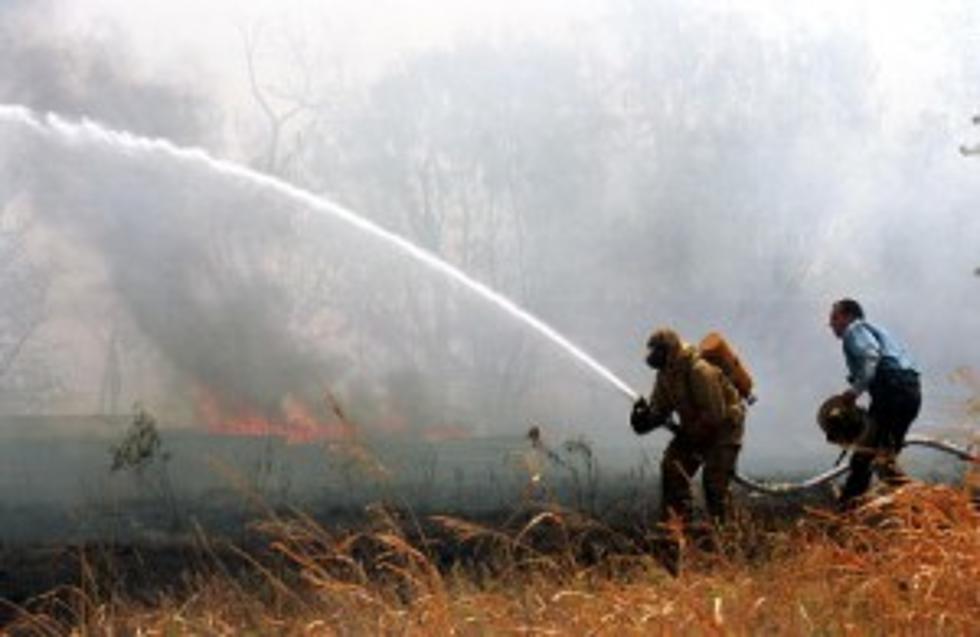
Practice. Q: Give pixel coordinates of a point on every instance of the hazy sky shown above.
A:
(912, 41)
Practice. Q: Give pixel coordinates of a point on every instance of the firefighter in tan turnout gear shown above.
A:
(711, 412)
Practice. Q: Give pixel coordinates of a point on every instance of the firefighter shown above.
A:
(709, 434)
(879, 365)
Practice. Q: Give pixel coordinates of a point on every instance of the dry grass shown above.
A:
(908, 562)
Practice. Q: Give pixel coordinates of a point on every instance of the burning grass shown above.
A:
(908, 561)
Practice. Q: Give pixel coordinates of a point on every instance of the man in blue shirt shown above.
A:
(879, 365)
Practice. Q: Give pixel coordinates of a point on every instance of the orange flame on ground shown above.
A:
(295, 420)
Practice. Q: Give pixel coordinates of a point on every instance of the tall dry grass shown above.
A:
(907, 562)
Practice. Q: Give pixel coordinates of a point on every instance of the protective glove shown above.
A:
(641, 418)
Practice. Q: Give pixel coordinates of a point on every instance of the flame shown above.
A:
(295, 421)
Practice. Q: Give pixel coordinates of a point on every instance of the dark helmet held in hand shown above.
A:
(841, 420)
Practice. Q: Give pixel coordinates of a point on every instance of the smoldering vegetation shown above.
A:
(876, 568)
(671, 165)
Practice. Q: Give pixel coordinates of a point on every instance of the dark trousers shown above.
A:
(896, 398)
(681, 461)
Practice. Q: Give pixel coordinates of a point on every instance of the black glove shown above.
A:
(641, 419)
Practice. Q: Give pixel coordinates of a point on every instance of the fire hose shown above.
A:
(784, 488)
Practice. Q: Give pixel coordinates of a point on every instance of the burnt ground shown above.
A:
(170, 564)
(140, 572)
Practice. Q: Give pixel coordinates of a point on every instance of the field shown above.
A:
(907, 562)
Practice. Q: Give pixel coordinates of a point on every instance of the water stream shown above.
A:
(88, 132)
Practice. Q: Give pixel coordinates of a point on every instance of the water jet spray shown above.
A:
(89, 132)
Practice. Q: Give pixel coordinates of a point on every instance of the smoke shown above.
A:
(189, 255)
(684, 165)
(182, 265)
(92, 74)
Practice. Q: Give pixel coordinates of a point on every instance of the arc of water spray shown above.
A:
(89, 131)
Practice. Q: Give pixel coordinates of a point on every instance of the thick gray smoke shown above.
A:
(191, 257)
(77, 74)
(681, 165)
(90, 74)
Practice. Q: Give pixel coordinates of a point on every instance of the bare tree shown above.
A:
(23, 286)
(279, 105)
(477, 153)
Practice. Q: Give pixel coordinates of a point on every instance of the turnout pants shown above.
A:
(681, 461)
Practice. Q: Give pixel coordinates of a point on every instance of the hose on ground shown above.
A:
(785, 488)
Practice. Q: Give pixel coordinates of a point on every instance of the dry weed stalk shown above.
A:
(907, 561)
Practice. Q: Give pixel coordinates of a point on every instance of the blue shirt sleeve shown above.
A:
(862, 352)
